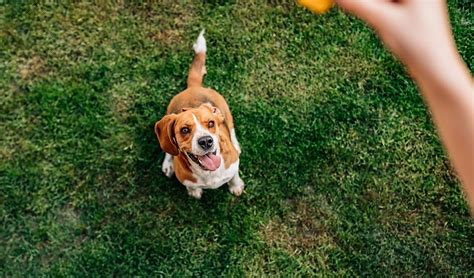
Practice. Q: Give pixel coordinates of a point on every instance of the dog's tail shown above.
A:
(198, 67)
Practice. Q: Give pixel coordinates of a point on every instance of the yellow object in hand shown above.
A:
(317, 6)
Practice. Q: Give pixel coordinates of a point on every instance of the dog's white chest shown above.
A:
(214, 179)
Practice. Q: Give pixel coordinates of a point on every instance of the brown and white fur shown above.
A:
(197, 133)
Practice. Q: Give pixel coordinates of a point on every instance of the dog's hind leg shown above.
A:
(236, 185)
(234, 140)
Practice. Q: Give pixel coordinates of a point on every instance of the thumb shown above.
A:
(374, 12)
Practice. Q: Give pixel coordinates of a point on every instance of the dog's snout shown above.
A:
(206, 142)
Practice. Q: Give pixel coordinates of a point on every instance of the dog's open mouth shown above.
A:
(208, 162)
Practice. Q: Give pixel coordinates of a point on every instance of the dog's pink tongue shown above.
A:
(210, 161)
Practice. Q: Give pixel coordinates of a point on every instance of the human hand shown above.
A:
(416, 31)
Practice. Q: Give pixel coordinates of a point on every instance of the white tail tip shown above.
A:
(200, 45)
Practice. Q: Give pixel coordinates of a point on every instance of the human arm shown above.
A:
(419, 34)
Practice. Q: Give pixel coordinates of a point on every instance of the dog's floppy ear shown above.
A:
(216, 111)
(164, 130)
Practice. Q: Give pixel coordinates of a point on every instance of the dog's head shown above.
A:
(195, 133)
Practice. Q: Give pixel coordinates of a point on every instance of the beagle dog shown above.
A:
(197, 133)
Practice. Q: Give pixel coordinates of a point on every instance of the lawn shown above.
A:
(344, 171)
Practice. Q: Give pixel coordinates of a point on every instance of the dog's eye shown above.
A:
(210, 124)
(184, 130)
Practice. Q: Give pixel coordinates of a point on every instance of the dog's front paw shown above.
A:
(195, 192)
(167, 166)
(236, 186)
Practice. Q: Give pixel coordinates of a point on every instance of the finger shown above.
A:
(374, 12)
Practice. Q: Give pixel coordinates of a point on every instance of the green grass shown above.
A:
(345, 173)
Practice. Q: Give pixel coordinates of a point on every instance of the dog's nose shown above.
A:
(205, 142)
